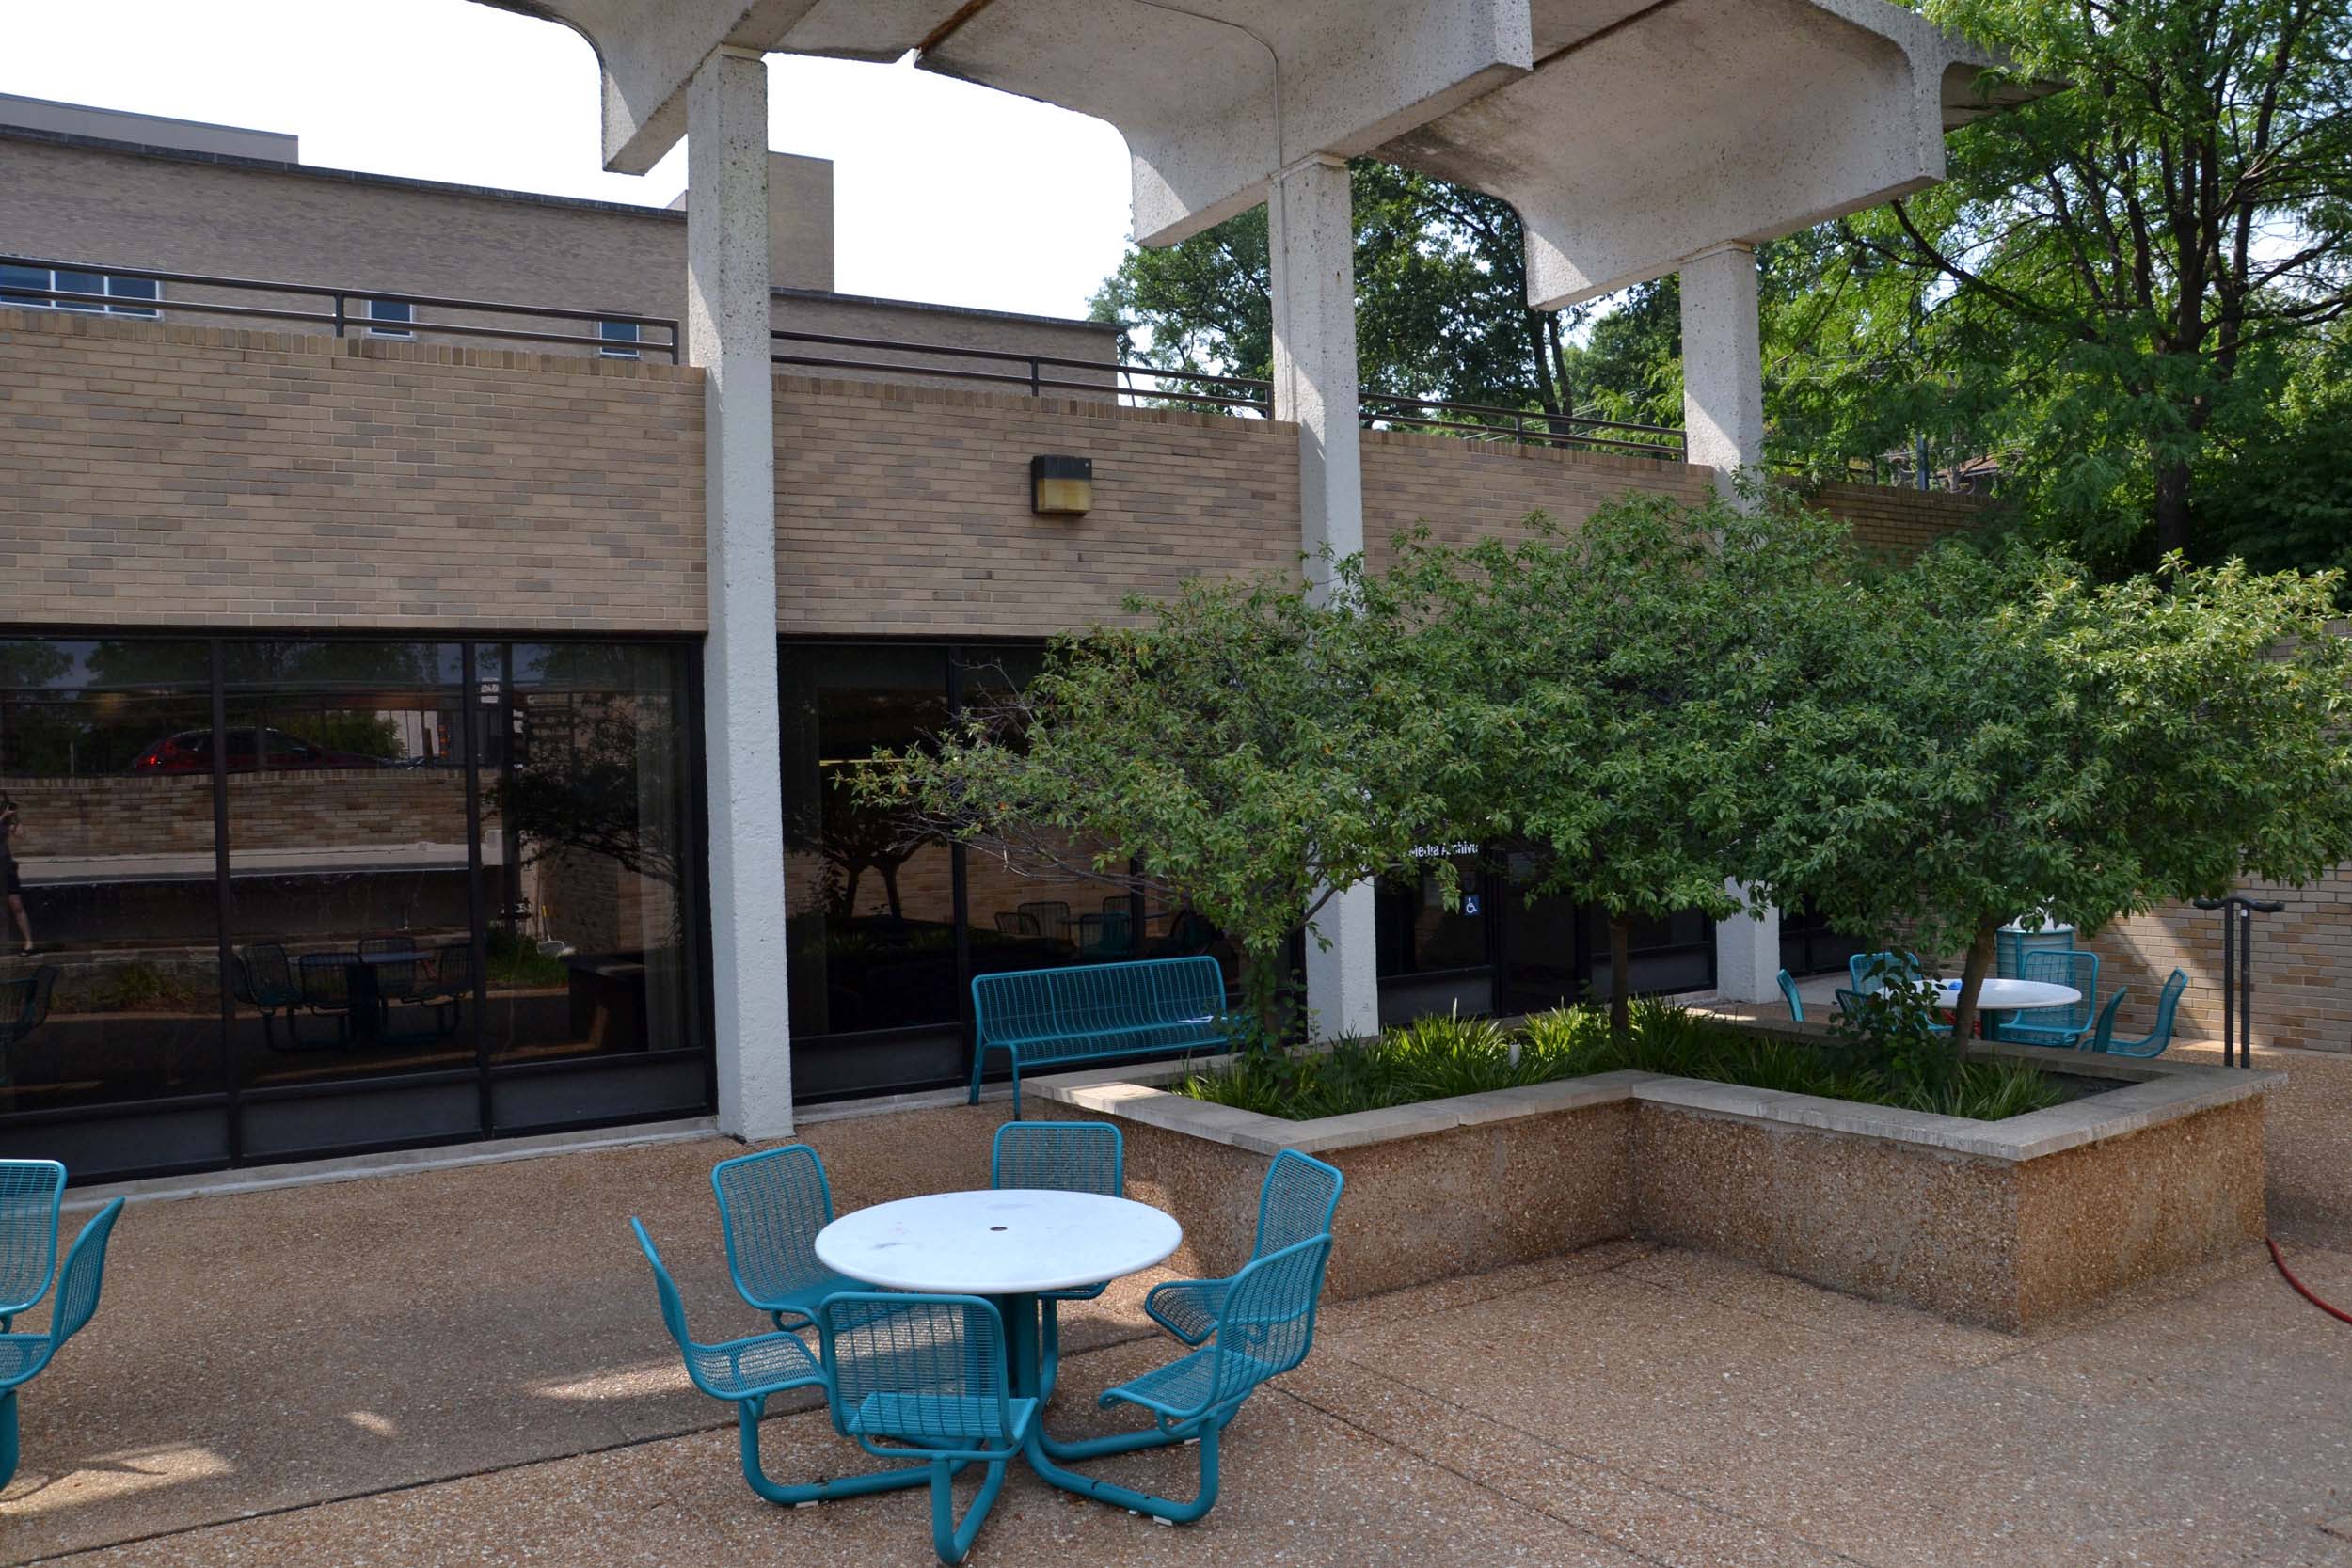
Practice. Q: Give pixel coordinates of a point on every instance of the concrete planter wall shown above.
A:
(2006, 1223)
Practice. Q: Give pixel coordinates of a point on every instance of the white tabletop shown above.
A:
(998, 1242)
(2005, 996)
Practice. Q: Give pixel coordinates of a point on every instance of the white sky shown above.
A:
(941, 191)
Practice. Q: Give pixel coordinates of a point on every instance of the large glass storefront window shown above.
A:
(296, 896)
(1436, 957)
(108, 856)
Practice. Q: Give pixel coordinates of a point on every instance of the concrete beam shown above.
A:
(726, 334)
(1648, 132)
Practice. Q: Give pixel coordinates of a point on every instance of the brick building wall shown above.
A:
(1895, 522)
(1467, 490)
(181, 476)
(2302, 965)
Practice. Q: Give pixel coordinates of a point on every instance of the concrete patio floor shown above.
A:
(464, 1366)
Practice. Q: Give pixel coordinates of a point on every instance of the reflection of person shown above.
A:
(10, 880)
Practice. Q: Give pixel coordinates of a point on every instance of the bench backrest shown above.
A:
(1068, 1005)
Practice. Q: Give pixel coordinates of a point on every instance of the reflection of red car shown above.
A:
(191, 751)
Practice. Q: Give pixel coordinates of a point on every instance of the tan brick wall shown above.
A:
(172, 814)
(169, 475)
(1895, 522)
(2302, 965)
(905, 511)
(1465, 490)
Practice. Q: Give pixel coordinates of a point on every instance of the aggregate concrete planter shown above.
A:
(2008, 1224)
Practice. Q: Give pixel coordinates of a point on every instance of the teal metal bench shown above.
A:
(1096, 1012)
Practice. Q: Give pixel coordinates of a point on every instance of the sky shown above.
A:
(942, 191)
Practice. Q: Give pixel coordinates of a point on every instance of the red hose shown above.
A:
(2302, 1289)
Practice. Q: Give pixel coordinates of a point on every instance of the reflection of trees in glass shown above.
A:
(77, 708)
(852, 838)
(607, 786)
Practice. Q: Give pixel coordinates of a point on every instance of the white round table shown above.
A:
(1999, 995)
(1004, 1242)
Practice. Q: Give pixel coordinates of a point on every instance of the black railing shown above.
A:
(1140, 384)
(331, 306)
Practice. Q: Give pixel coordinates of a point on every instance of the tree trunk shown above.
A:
(1972, 974)
(2172, 507)
(1620, 978)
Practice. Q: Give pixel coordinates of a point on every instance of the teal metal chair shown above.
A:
(1059, 1156)
(772, 1205)
(1850, 1003)
(1267, 1327)
(747, 1373)
(2157, 1040)
(1789, 994)
(1871, 971)
(1298, 1200)
(23, 1356)
(30, 1192)
(2056, 1026)
(909, 1373)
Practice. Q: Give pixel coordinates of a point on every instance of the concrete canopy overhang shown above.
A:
(1215, 96)
(1652, 131)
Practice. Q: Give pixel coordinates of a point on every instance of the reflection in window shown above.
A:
(871, 905)
(586, 859)
(108, 864)
(348, 856)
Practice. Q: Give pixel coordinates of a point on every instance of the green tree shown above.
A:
(1441, 299)
(1982, 735)
(1247, 749)
(2103, 288)
(1614, 685)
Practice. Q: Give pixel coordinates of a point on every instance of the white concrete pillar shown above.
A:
(1311, 230)
(727, 335)
(1722, 417)
(1723, 363)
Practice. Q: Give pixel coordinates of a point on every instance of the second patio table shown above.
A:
(1999, 995)
(1007, 1243)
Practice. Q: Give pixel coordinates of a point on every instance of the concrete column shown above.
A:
(727, 335)
(1723, 363)
(1722, 417)
(1310, 229)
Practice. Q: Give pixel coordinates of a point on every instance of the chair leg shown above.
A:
(953, 1542)
(802, 1495)
(979, 1059)
(8, 1437)
(1109, 1492)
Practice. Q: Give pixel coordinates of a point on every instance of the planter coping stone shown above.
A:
(2150, 1093)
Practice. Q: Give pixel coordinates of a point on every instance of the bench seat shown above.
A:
(1096, 1012)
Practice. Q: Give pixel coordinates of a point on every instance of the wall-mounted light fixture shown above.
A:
(1061, 487)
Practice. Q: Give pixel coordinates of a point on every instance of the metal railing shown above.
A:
(1137, 385)
(331, 308)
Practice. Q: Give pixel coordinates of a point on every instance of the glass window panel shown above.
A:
(81, 284)
(346, 804)
(108, 863)
(1419, 933)
(872, 925)
(23, 278)
(614, 335)
(133, 288)
(390, 310)
(587, 863)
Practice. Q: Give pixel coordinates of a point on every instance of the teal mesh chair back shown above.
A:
(30, 1192)
(1268, 1322)
(2064, 966)
(1788, 983)
(2103, 1034)
(1850, 1003)
(673, 1304)
(1052, 916)
(1059, 1156)
(265, 977)
(2156, 1040)
(926, 1370)
(84, 1271)
(772, 1205)
(1871, 971)
(1300, 1195)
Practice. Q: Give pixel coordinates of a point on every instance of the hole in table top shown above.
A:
(996, 1228)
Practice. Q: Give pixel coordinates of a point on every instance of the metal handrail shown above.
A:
(339, 316)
